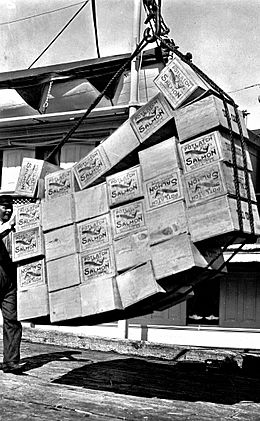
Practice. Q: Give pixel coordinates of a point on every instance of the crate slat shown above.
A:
(91, 202)
(63, 273)
(132, 250)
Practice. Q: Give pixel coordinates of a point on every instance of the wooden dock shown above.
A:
(61, 383)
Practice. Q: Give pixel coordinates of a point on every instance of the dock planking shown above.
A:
(72, 384)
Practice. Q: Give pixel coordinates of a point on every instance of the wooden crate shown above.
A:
(61, 242)
(159, 158)
(209, 148)
(128, 218)
(59, 184)
(91, 167)
(31, 274)
(176, 255)
(97, 264)
(178, 83)
(63, 273)
(57, 212)
(132, 250)
(219, 217)
(138, 284)
(166, 222)
(27, 244)
(163, 189)
(31, 177)
(99, 297)
(91, 202)
(205, 115)
(94, 232)
(120, 143)
(32, 303)
(65, 304)
(212, 181)
(124, 186)
(151, 117)
(27, 216)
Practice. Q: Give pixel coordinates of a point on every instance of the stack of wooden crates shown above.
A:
(118, 243)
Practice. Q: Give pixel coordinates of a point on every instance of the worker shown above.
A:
(12, 328)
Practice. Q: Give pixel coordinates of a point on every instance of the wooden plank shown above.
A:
(59, 184)
(99, 297)
(57, 212)
(124, 186)
(94, 232)
(31, 274)
(61, 242)
(27, 244)
(31, 173)
(27, 216)
(212, 181)
(91, 167)
(166, 222)
(163, 189)
(120, 143)
(177, 82)
(91, 202)
(159, 158)
(219, 217)
(97, 264)
(176, 255)
(65, 304)
(63, 273)
(151, 117)
(128, 218)
(205, 115)
(138, 284)
(209, 148)
(32, 302)
(132, 250)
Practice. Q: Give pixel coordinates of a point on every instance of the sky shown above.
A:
(222, 35)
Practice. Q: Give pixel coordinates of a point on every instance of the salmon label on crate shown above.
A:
(27, 216)
(163, 190)
(151, 117)
(90, 168)
(27, 244)
(58, 184)
(204, 184)
(128, 218)
(124, 186)
(200, 152)
(97, 264)
(175, 83)
(94, 232)
(29, 176)
(31, 274)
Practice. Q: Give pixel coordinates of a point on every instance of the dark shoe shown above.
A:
(14, 368)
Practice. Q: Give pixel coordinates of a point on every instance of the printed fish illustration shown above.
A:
(176, 81)
(198, 151)
(98, 263)
(123, 186)
(92, 231)
(32, 274)
(161, 191)
(124, 216)
(25, 242)
(56, 184)
(148, 116)
(206, 184)
(89, 167)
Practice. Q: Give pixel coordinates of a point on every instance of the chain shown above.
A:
(46, 102)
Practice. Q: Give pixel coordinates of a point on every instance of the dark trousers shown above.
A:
(12, 328)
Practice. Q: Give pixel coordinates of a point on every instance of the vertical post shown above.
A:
(134, 75)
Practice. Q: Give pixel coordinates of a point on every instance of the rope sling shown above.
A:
(158, 32)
